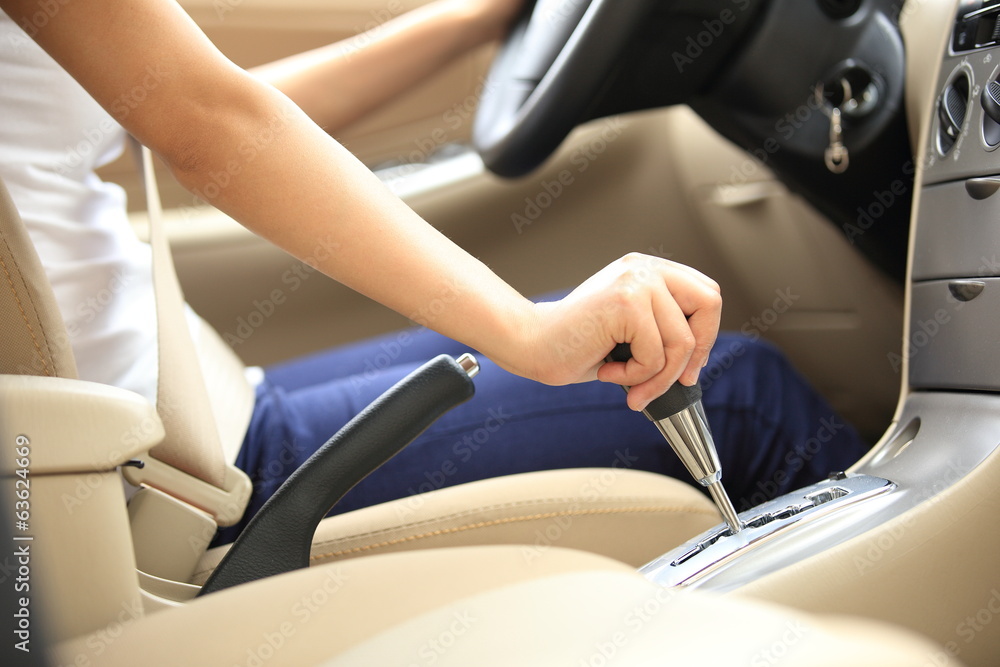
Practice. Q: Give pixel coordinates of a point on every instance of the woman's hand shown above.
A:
(669, 314)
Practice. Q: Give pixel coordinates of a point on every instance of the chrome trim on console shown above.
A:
(714, 549)
(940, 439)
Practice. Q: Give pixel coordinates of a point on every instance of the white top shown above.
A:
(52, 137)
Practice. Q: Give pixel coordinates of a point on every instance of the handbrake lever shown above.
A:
(279, 537)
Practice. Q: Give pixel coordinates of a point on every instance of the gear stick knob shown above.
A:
(680, 417)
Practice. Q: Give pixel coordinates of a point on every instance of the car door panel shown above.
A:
(413, 127)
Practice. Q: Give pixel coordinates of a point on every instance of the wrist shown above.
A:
(511, 341)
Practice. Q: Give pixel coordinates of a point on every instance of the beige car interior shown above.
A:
(527, 569)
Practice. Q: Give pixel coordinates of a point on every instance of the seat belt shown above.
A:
(190, 464)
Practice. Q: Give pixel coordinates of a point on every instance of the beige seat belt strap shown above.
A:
(190, 463)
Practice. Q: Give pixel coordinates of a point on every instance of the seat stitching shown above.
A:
(20, 306)
(511, 505)
(481, 524)
(498, 522)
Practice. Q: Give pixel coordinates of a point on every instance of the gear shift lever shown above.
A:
(680, 417)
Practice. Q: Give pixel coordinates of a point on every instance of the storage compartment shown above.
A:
(954, 342)
(956, 234)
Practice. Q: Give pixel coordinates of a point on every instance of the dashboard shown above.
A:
(864, 540)
(956, 263)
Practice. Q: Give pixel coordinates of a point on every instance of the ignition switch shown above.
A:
(853, 89)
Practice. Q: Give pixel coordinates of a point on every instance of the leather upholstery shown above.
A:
(488, 606)
(35, 341)
(628, 515)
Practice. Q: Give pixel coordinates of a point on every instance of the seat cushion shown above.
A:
(484, 606)
(310, 615)
(611, 618)
(628, 515)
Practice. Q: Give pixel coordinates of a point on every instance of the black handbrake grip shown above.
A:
(279, 537)
(677, 398)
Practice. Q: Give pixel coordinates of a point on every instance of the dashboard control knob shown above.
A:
(952, 112)
(953, 107)
(990, 101)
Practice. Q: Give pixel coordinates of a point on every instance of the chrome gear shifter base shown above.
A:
(709, 554)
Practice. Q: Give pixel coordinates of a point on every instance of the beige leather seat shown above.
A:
(551, 579)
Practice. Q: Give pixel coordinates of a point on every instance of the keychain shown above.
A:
(836, 156)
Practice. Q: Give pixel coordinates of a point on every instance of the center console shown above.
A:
(909, 534)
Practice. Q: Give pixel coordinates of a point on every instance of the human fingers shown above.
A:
(672, 328)
(701, 302)
(638, 328)
(694, 273)
(676, 342)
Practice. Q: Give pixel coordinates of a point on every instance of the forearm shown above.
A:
(246, 148)
(339, 83)
(333, 212)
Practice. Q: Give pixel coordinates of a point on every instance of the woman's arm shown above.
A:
(243, 146)
(341, 82)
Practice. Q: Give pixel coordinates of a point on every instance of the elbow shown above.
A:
(208, 140)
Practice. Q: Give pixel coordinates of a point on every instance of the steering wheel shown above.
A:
(553, 65)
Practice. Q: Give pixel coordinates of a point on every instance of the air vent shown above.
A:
(952, 110)
(990, 100)
(977, 25)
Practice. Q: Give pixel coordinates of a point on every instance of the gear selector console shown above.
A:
(713, 553)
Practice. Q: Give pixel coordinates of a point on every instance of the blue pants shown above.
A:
(773, 432)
